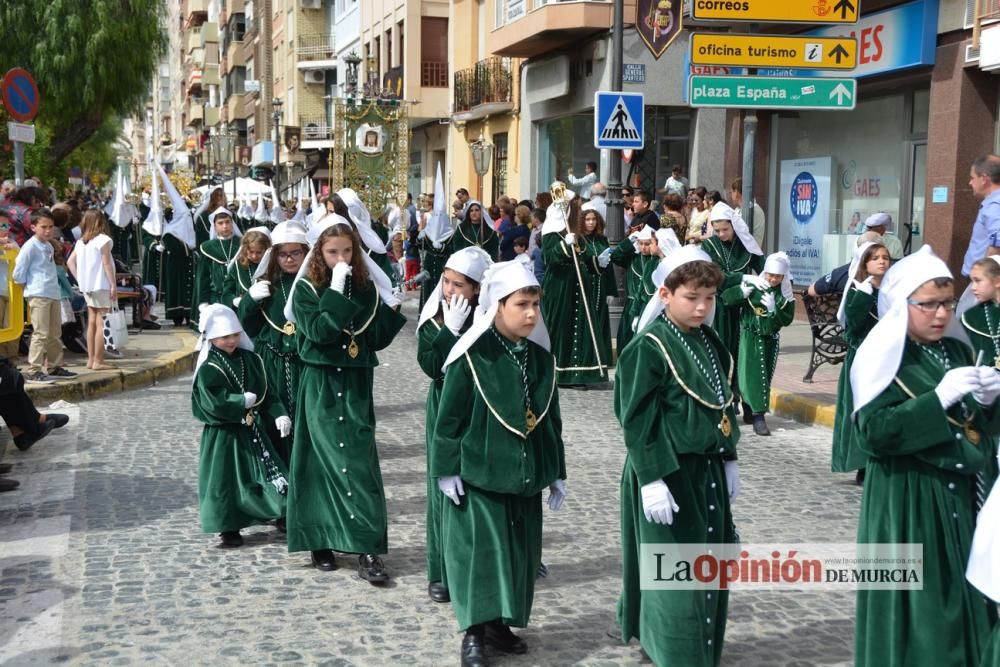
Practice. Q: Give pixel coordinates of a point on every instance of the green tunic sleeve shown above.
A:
(213, 400)
(623, 254)
(732, 296)
(231, 289)
(771, 323)
(388, 323)
(434, 343)
(555, 251)
(251, 314)
(453, 421)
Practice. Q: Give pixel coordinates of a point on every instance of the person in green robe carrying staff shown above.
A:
(344, 311)
(674, 400)
(928, 420)
(497, 446)
(767, 304)
(444, 318)
(241, 480)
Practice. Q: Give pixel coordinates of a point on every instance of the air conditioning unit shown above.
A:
(315, 76)
(313, 131)
(311, 4)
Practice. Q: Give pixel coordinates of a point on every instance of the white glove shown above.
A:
(437, 245)
(159, 247)
(393, 300)
(865, 286)
(236, 302)
(284, 426)
(422, 234)
(557, 494)
(260, 291)
(635, 323)
(338, 276)
(768, 302)
(955, 384)
(451, 486)
(657, 503)
(760, 283)
(732, 470)
(747, 289)
(989, 386)
(604, 258)
(570, 238)
(455, 313)
(633, 237)
(249, 398)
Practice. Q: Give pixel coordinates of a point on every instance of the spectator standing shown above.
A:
(519, 228)
(642, 215)
(35, 268)
(984, 179)
(586, 182)
(676, 184)
(878, 223)
(92, 266)
(759, 227)
(598, 192)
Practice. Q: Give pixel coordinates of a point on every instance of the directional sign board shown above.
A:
(761, 92)
(619, 120)
(777, 11)
(20, 95)
(836, 53)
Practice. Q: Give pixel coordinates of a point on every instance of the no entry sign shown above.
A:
(20, 95)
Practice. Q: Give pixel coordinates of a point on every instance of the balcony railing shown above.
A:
(433, 74)
(486, 82)
(315, 128)
(315, 47)
(986, 13)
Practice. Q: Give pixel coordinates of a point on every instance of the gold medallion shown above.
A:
(248, 420)
(761, 312)
(996, 364)
(726, 426)
(353, 350)
(530, 419)
(289, 328)
(971, 434)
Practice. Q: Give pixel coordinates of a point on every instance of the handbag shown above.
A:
(115, 329)
(66, 311)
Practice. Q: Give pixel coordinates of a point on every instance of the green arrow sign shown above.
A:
(764, 92)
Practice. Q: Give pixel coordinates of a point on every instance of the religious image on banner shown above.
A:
(369, 139)
(293, 138)
(373, 136)
(658, 23)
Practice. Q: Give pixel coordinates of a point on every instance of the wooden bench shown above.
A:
(828, 345)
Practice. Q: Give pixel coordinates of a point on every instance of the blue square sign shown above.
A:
(619, 120)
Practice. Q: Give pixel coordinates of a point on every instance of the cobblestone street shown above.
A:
(102, 560)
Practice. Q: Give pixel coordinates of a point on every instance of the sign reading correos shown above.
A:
(776, 11)
(839, 53)
(757, 92)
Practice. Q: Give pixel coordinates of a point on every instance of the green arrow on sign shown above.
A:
(764, 92)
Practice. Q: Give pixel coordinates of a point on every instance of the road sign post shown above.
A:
(760, 92)
(20, 98)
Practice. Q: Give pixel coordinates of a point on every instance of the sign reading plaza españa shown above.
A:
(759, 92)
(831, 53)
(777, 11)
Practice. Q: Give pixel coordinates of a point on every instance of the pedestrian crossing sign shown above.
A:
(618, 120)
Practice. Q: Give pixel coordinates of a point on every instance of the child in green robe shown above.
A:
(343, 309)
(497, 446)
(858, 313)
(674, 400)
(632, 255)
(927, 418)
(766, 304)
(982, 569)
(444, 318)
(241, 480)
(982, 320)
(239, 274)
(215, 256)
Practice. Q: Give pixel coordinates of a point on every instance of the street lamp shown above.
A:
(482, 155)
(352, 60)
(222, 145)
(277, 104)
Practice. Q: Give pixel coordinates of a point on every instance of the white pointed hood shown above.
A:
(153, 224)
(181, 225)
(362, 220)
(439, 227)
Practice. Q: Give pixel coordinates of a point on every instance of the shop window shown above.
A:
(499, 165)
(921, 111)
(565, 143)
(433, 52)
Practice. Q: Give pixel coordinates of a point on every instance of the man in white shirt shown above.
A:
(676, 184)
(759, 226)
(585, 182)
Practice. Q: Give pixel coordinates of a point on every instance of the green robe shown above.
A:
(432, 262)
(860, 316)
(735, 262)
(213, 263)
(236, 283)
(673, 422)
(467, 234)
(265, 323)
(124, 242)
(178, 277)
(150, 260)
(494, 537)
(384, 263)
(337, 500)
(434, 342)
(920, 488)
(626, 256)
(202, 229)
(982, 323)
(233, 487)
(759, 342)
(581, 342)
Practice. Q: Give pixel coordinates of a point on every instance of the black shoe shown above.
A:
(8, 484)
(6, 468)
(60, 372)
(371, 569)
(58, 419)
(280, 525)
(859, 477)
(747, 414)
(38, 377)
(473, 651)
(26, 440)
(760, 426)
(499, 636)
(231, 539)
(438, 592)
(324, 560)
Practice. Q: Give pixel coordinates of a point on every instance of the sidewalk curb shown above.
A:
(802, 409)
(95, 385)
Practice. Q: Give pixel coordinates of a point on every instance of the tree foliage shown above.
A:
(93, 60)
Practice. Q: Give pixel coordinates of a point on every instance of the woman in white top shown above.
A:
(94, 270)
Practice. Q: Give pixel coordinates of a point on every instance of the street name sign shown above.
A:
(830, 53)
(760, 92)
(21, 132)
(776, 11)
(619, 120)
